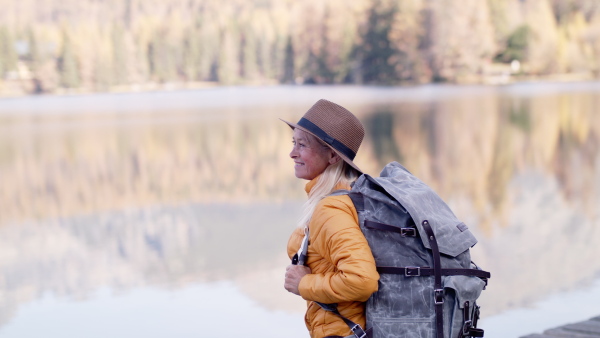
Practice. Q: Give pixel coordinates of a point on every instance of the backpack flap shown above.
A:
(422, 203)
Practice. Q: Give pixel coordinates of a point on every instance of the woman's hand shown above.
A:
(293, 275)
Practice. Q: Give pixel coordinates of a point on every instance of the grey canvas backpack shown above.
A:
(428, 284)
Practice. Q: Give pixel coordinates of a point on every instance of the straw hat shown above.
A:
(334, 125)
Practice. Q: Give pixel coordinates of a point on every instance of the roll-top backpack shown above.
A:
(428, 284)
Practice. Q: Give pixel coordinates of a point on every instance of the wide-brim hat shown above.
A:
(336, 126)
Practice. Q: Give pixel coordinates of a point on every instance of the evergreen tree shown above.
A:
(119, 55)
(8, 55)
(163, 65)
(229, 58)
(288, 64)
(516, 45)
(191, 54)
(34, 56)
(35, 60)
(376, 49)
(249, 54)
(67, 64)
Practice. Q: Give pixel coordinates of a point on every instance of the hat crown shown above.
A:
(337, 122)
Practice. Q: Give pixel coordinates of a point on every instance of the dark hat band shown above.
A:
(320, 133)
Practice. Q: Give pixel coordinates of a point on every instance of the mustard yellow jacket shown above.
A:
(342, 267)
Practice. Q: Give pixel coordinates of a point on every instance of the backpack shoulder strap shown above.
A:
(339, 192)
(356, 329)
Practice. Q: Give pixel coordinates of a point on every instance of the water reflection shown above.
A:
(204, 192)
(166, 246)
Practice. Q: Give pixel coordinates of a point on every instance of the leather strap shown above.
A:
(438, 292)
(427, 271)
(405, 232)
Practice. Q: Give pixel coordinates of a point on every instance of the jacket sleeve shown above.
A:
(294, 242)
(338, 238)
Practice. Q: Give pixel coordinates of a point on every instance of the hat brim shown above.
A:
(342, 156)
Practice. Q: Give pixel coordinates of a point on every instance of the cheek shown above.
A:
(316, 163)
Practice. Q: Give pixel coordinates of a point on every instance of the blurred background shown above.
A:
(145, 183)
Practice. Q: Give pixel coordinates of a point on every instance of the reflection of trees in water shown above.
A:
(167, 247)
(466, 146)
(511, 161)
(176, 247)
(519, 114)
(380, 128)
(77, 170)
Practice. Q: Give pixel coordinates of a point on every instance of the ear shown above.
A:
(334, 157)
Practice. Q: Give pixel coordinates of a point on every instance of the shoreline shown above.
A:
(17, 88)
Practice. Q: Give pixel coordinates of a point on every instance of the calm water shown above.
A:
(167, 214)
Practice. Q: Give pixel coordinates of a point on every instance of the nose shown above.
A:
(293, 153)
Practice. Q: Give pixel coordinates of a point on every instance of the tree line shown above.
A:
(91, 45)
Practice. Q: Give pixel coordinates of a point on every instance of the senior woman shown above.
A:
(339, 266)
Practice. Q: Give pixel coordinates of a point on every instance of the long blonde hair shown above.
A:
(334, 174)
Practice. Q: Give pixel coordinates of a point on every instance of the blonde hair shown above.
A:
(334, 174)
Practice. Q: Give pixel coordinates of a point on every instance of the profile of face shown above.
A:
(310, 157)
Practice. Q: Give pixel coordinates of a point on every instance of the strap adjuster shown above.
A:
(467, 327)
(412, 271)
(438, 296)
(408, 232)
(358, 331)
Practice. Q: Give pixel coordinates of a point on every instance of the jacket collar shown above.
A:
(310, 185)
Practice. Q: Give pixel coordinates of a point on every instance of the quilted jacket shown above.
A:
(342, 267)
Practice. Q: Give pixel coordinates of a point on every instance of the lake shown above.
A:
(167, 214)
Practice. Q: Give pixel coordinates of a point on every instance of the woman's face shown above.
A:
(310, 157)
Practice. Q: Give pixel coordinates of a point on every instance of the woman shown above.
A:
(340, 267)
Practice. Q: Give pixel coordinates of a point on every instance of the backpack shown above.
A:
(428, 284)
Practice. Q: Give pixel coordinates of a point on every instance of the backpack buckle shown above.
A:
(412, 271)
(408, 232)
(467, 327)
(438, 296)
(358, 331)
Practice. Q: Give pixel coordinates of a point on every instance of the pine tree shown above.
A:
(119, 55)
(229, 57)
(191, 54)
(162, 60)
(288, 64)
(377, 50)
(8, 55)
(67, 65)
(34, 56)
(249, 54)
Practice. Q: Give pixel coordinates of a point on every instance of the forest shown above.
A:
(53, 46)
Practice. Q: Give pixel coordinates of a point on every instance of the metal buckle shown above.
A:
(412, 271)
(408, 232)
(438, 296)
(467, 326)
(360, 330)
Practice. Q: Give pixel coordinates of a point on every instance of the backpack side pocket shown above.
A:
(460, 309)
